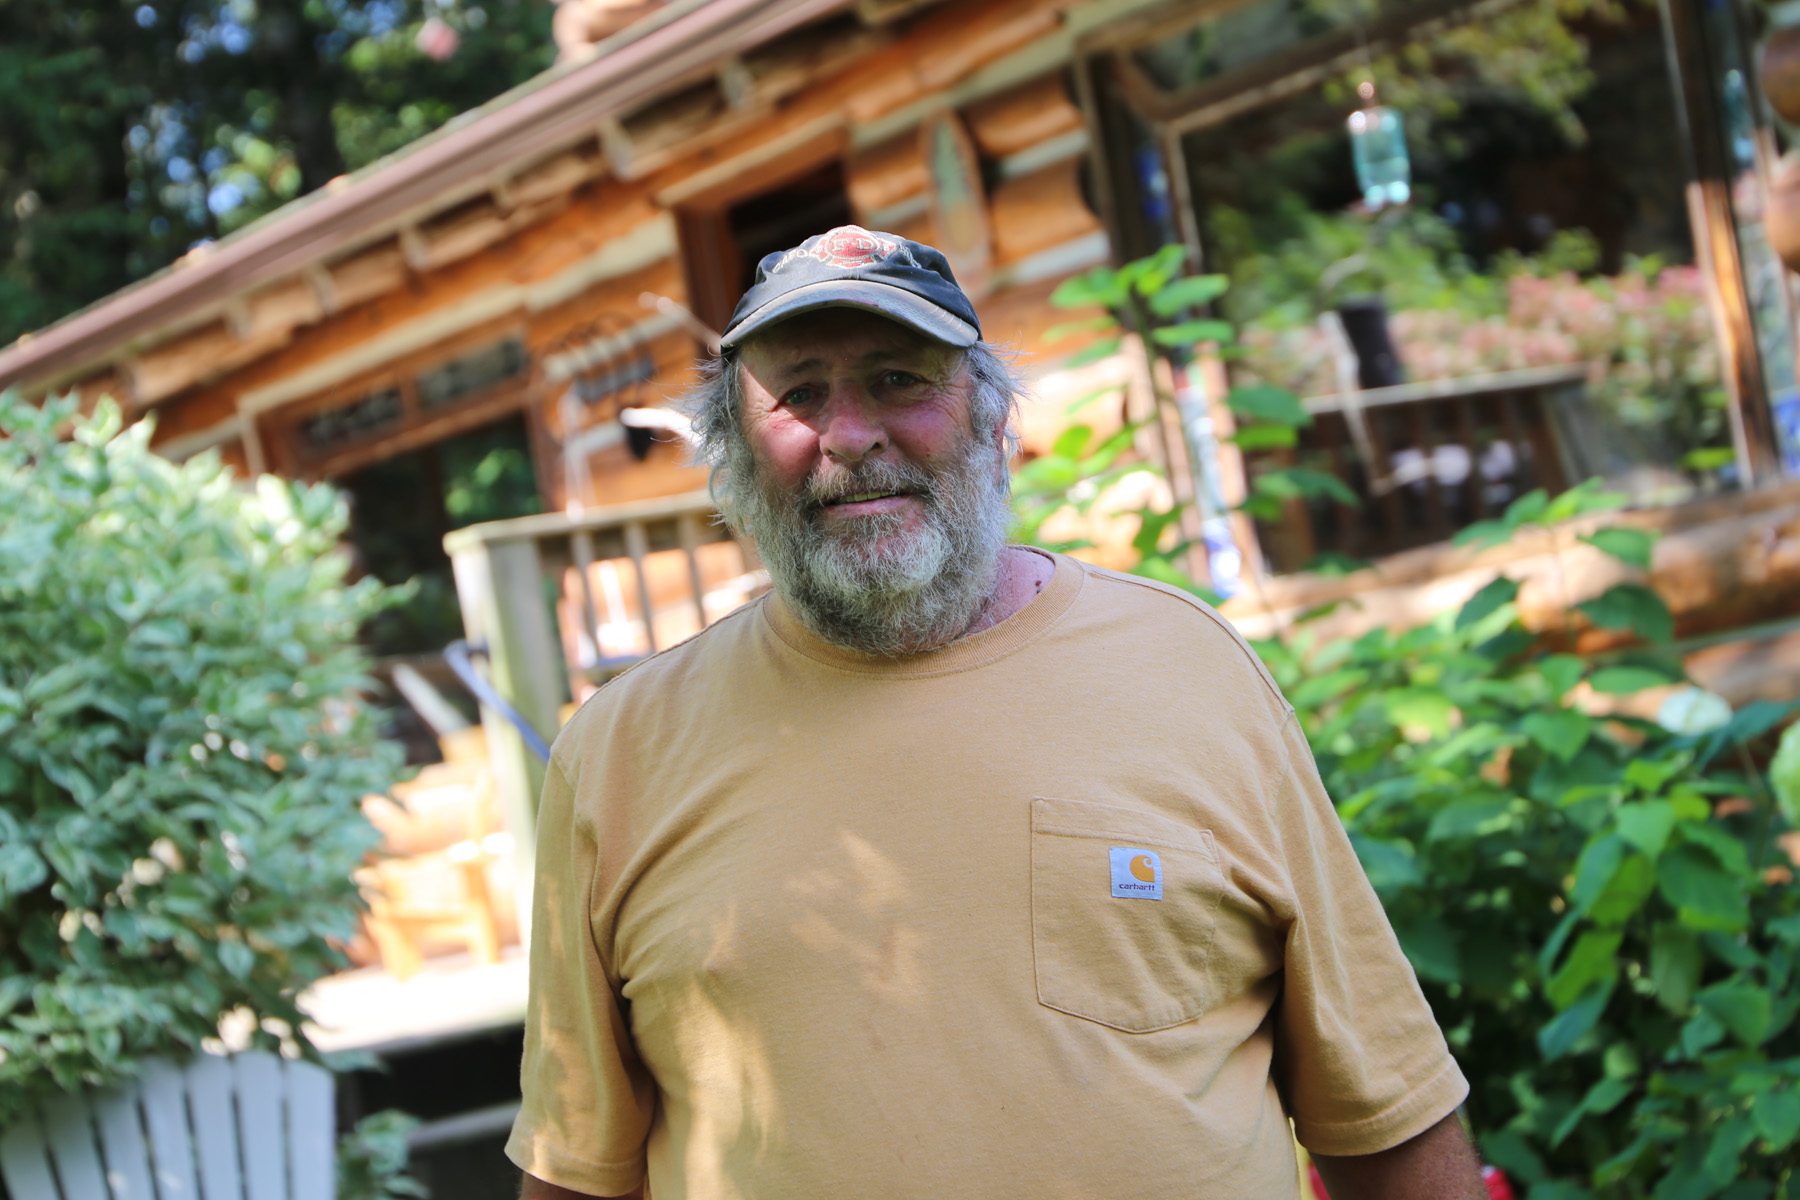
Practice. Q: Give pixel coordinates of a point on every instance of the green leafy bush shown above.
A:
(1597, 905)
(1612, 961)
(372, 1159)
(183, 750)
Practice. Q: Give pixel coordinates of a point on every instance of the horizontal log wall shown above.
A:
(568, 243)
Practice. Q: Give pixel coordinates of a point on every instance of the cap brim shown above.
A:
(896, 304)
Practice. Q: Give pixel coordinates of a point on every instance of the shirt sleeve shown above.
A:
(1360, 1061)
(587, 1100)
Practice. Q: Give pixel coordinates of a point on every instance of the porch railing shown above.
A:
(1429, 459)
(557, 603)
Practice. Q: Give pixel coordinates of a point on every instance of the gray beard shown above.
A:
(867, 586)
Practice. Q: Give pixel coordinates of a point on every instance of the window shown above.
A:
(722, 240)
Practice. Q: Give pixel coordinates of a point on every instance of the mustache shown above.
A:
(831, 483)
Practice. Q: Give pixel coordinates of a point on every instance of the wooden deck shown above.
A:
(368, 1009)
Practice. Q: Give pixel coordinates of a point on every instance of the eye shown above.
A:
(900, 379)
(798, 397)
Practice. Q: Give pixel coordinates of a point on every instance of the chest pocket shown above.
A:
(1123, 909)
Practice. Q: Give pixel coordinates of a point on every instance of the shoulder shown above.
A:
(644, 691)
(1180, 622)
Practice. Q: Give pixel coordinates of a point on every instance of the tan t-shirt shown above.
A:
(1060, 910)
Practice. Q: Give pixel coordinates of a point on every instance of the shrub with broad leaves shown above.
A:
(184, 747)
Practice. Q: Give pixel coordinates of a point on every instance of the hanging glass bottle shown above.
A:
(1378, 147)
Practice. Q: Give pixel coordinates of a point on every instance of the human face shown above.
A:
(831, 396)
(878, 509)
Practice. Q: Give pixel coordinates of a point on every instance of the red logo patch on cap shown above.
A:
(852, 246)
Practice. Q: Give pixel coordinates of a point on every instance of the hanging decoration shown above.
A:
(1378, 148)
(438, 38)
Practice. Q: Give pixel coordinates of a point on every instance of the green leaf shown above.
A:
(1701, 1033)
(1253, 438)
(1072, 441)
(1316, 690)
(1629, 546)
(1646, 825)
(1744, 1009)
(1706, 896)
(1191, 292)
(1469, 819)
(1150, 274)
(1593, 960)
(1425, 708)
(1389, 865)
(1489, 600)
(1560, 732)
(1431, 945)
(21, 869)
(1623, 681)
(1191, 333)
(237, 958)
(1633, 608)
(1784, 774)
(1100, 286)
(1602, 1098)
(1526, 508)
(1675, 964)
(1712, 458)
(1776, 1114)
(1482, 534)
(1272, 404)
(1598, 862)
(1561, 672)
(1058, 332)
(1625, 893)
(1562, 1033)
(1291, 483)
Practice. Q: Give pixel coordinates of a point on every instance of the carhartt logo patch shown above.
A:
(1136, 873)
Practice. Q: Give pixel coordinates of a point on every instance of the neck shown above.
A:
(1021, 575)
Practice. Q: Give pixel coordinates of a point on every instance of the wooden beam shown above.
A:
(886, 12)
(371, 272)
(207, 353)
(319, 279)
(884, 175)
(654, 136)
(414, 248)
(771, 74)
(1023, 117)
(772, 153)
(556, 176)
(375, 283)
(963, 38)
(1036, 212)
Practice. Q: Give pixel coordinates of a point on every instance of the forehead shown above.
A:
(839, 337)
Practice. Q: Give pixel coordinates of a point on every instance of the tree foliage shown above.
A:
(183, 750)
(131, 130)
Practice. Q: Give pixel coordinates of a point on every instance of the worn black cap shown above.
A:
(853, 267)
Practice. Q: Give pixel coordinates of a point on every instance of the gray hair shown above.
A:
(715, 402)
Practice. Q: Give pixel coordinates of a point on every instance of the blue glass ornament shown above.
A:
(1378, 148)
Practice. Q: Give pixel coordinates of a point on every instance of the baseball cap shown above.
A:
(853, 267)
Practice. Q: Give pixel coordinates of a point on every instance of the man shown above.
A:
(949, 868)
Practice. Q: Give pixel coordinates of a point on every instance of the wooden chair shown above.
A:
(442, 836)
(249, 1127)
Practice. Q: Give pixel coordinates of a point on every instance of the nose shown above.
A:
(851, 429)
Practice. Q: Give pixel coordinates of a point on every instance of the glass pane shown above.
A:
(354, 422)
(464, 377)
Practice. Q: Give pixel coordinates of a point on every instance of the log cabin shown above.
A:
(530, 286)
